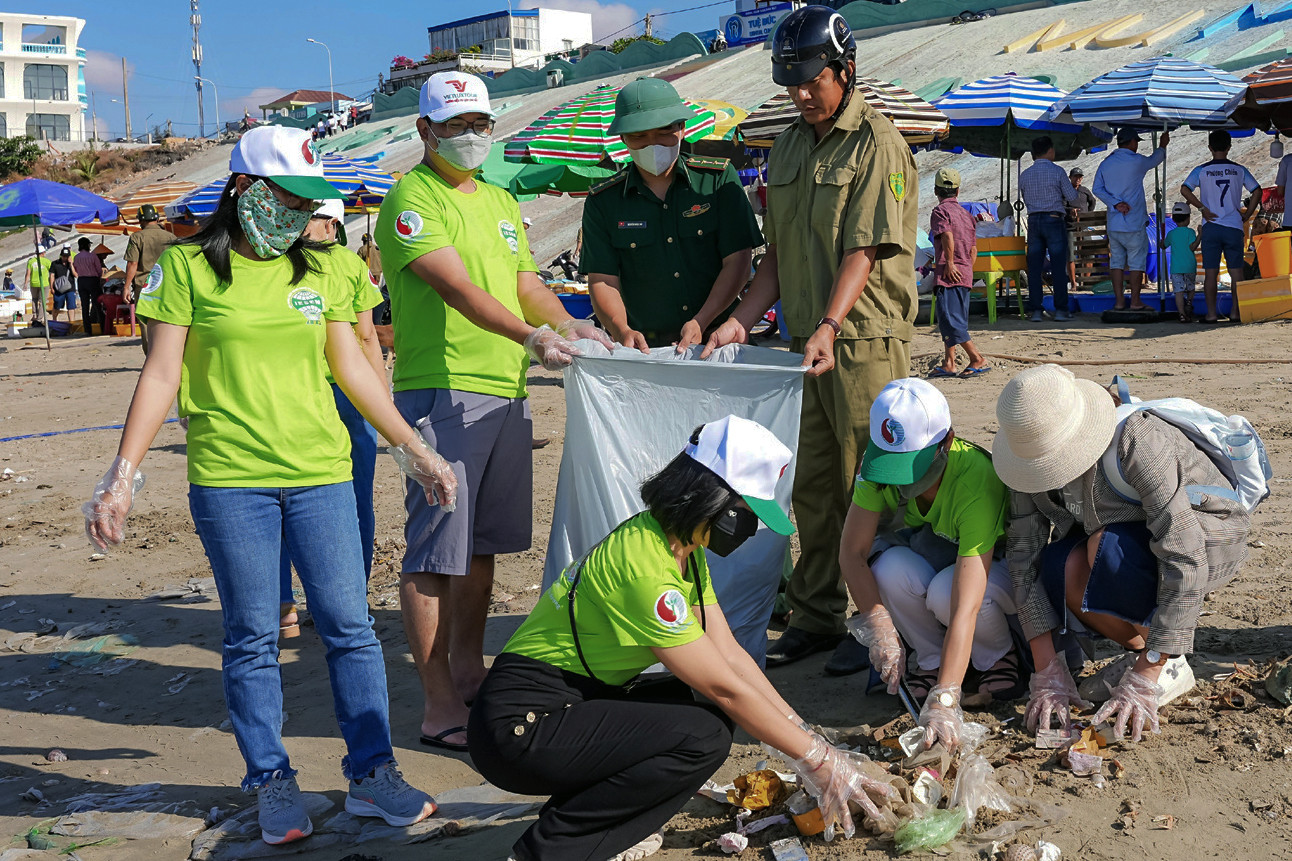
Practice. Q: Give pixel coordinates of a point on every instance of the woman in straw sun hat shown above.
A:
(1082, 556)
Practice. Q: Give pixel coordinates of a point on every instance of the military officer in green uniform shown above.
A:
(668, 240)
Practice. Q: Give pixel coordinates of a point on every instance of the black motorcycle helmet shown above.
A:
(809, 39)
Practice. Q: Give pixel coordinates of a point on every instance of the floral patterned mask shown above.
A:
(270, 227)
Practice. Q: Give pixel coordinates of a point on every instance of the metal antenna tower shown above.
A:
(196, 20)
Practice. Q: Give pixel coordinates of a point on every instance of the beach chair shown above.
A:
(1000, 261)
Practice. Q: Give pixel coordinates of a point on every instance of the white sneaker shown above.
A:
(647, 847)
(1176, 679)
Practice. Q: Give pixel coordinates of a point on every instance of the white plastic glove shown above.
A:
(549, 349)
(423, 465)
(574, 330)
(829, 776)
(1134, 702)
(876, 631)
(942, 723)
(113, 497)
(1051, 693)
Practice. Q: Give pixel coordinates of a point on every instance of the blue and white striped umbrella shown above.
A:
(198, 203)
(1000, 99)
(363, 185)
(1162, 93)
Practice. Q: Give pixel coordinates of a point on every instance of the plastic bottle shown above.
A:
(1239, 441)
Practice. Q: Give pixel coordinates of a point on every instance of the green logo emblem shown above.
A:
(897, 184)
(508, 232)
(308, 303)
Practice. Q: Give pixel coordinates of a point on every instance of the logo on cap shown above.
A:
(892, 432)
(460, 86)
(409, 224)
(308, 152)
(670, 609)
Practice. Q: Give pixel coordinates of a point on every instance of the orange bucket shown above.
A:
(1274, 253)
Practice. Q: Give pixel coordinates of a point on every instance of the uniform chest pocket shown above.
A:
(833, 189)
(632, 240)
(699, 223)
(782, 201)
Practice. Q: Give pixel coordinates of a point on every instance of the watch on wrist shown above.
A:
(1156, 657)
(831, 322)
(946, 699)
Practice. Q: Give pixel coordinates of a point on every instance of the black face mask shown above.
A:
(732, 528)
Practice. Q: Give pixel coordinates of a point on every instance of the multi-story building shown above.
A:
(42, 77)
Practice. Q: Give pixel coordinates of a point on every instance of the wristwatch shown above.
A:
(831, 322)
(946, 699)
(1156, 657)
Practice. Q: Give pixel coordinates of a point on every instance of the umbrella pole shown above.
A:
(44, 314)
(1159, 181)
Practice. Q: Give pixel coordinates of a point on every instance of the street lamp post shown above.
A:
(148, 129)
(214, 89)
(127, 109)
(511, 39)
(330, 87)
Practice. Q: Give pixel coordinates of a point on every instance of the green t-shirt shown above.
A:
(437, 347)
(971, 506)
(351, 269)
(631, 597)
(252, 384)
(38, 276)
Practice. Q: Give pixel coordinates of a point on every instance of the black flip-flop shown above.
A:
(437, 740)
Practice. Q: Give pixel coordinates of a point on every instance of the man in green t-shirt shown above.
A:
(465, 299)
(40, 285)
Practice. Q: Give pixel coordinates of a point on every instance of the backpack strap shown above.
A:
(1111, 463)
(1123, 390)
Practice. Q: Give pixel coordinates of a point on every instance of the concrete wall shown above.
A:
(56, 46)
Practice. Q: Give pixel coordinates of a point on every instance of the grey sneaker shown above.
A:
(1038, 316)
(282, 816)
(1062, 315)
(385, 793)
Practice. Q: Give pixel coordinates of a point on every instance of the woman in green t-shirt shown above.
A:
(557, 714)
(245, 318)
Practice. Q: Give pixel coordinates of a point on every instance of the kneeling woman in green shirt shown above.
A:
(558, 714)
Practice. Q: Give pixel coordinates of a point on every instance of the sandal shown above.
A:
(288, 621)
(1005, 680)
(920, 682)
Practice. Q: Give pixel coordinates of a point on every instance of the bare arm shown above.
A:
(537, 303)
(947, 245)
(608, 303)
(132, 269)
(1196, 202)
(968, 586)
(444, 271)
(369, 344)
(739, 662)
(859, 528)
(155, 391)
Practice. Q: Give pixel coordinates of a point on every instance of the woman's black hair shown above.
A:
(221, 231)
(685, 496)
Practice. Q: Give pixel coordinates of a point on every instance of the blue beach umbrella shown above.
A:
(198, 203)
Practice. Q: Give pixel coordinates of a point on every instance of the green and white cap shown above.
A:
(750, 459)
(908, 420)
(286, 157)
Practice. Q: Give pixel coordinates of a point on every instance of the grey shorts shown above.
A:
(1182, 283)
(489, 442)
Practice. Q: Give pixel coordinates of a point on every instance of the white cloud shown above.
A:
(103, 72)
(231, 107)
(607, 18)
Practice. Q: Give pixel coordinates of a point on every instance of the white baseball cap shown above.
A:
(286, 157)
(908, 420)
(334, 208)
(750, 459)
(447, 94)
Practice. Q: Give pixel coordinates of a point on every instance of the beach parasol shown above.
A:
(557, 179)
(37, 202)
(159, 194)
(1268, 102)
(578, 132)
(918, 121)
(726, 118)
(198, 203)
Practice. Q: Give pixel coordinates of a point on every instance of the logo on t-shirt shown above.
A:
(308, 303)
(892, 432)
(154, 281)
(374, 280)
(671, 609)
(409, 224)
(508, 232)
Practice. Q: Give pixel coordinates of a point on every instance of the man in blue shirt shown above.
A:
(1217, 189)
(1048, 194)
(1119, 183)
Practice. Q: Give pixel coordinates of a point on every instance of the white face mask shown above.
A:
(466, 151)
(655, 159)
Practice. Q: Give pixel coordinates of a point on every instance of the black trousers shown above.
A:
(617, 765)
(91, 288)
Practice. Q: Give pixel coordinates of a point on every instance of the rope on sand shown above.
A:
(73, 430)
(1154, 361)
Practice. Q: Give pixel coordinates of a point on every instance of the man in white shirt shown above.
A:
(1217, 189)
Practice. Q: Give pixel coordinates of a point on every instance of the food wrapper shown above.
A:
(1085, 764)
(758, 790)
(733, 843)
(926, 789)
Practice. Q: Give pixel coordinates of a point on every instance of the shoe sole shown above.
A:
(290, 837)
(359, 807)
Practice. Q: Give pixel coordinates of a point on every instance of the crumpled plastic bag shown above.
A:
(976, 786)
(936, 828)
(758, 790)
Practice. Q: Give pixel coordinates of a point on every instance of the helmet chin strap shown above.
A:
(842, 69)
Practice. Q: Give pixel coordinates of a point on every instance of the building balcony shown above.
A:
(37, 48)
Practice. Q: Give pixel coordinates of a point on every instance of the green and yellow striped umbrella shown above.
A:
(578, 132)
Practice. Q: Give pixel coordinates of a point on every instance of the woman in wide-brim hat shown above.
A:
(1081, 555)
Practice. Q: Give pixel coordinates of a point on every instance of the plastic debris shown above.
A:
(926, 789)
(758, 790)
(1052, 739)
(912, 740)
(733, 843)
(128, 825)
(1085, 764)
(56, 755)
(976, 787)
(177, 683)
(805, 813)
(103, 649)
(789, 849)
(935, 829)
(1047, 851)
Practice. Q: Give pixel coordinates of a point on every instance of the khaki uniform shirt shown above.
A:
(667, 253)
(369, 254)
(855, 188)
(145, 247)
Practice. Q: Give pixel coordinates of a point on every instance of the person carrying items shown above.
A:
(1119, 183)
(931, 577)
(468, 311)
(143, 250)
(1119, 526)
(841, 227)
(955, 247)
(62, 284)
(668, 240)
(564, 712)
(1048, 194)
(246, 316)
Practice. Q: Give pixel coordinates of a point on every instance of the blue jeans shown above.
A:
(363, 457)
(243, 530)
(1047, 233)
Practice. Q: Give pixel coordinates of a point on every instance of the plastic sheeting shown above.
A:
(628, 414)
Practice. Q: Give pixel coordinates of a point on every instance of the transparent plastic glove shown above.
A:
(876, 631)
(1134, 702)
(942, 723)
(420, 463)
(829, 776)
(113, 497)
(549, 349)
(573, 330)
(1051, 692)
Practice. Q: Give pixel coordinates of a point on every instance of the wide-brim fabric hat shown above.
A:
(750, 459)
(285, 157)
(648, 103)
(909, 418)
(446, 95)
(1053, 427)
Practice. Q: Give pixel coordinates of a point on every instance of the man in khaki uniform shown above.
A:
(841, 228)
(142, 252)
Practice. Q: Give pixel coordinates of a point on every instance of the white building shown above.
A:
(42, 77)
(524, 37)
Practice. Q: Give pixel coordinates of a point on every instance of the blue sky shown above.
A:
(255, 49)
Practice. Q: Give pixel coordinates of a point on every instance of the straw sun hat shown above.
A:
(1053, 427)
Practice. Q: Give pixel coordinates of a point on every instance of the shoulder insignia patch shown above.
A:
(606, 183)
(897, 184)
(704, 162)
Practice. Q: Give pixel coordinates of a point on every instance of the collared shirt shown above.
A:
(950, 217)
(1046, 188)
(1120, 179)
(1198, 548)
(855, 188)
(87, 265)
(667, 253)
(145, 247)
(1086, 201)
(1220, 184)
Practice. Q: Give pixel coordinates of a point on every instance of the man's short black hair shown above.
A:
(1041, 145)
(1219, 140)
(685, 496)
(83, 244)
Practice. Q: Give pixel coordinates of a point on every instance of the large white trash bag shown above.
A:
(628, 414)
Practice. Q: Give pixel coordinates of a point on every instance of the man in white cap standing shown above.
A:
(467, 306)
(1084, 556)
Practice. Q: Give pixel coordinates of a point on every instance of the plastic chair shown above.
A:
(991, 285)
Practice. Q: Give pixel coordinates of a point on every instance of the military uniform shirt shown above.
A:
(855, 188)
(667, 254)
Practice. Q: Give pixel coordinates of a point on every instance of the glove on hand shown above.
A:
(1134, 702)
(1051, 692)
(876, 631)
(423, 465)
(113, 497)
